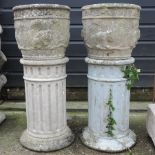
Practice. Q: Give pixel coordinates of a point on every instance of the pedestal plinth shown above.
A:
(45, 87)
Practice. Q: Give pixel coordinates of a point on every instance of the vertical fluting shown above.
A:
(49, 109)
(45, 100)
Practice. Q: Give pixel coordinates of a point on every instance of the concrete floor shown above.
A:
(15, 123)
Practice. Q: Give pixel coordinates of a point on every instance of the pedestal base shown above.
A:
(2, 117)
(46, 144)
(108, 144)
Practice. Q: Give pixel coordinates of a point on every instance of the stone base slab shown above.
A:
(150, 122)
(108, 144)
(46, 144)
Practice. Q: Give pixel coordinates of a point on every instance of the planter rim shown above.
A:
(110, 62)
(41, 6)
(111, 5)
(44, 63)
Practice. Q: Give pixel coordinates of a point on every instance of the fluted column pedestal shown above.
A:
(106, 83)
(45, 87)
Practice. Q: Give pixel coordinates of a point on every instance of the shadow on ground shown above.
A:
(12, 128)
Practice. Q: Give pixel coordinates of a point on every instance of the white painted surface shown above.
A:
(109, 40)
(103, 78)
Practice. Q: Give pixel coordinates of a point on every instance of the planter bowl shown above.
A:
(42, 30)
(110, 30)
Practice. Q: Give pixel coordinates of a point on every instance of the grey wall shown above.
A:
(77, 68)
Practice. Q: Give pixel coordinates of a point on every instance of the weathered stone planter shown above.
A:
(48, 28)
(110, 32)
(42, 33)
(3, 79)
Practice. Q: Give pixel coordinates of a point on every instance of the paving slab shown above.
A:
(15, 123)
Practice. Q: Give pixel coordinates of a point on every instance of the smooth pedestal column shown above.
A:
(3, 79)
(42, 34)
(110, 33)
(105, 77)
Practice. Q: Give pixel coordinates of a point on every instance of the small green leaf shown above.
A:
(131, 73)
(130, 153)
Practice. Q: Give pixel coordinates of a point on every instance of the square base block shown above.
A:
(150, 122)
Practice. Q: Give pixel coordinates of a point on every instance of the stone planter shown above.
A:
(42, 33)
(106, 35)
(3, 79)
(48, 27)
(110, 30)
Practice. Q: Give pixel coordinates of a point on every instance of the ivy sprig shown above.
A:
(111, 121)
(131, 73)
